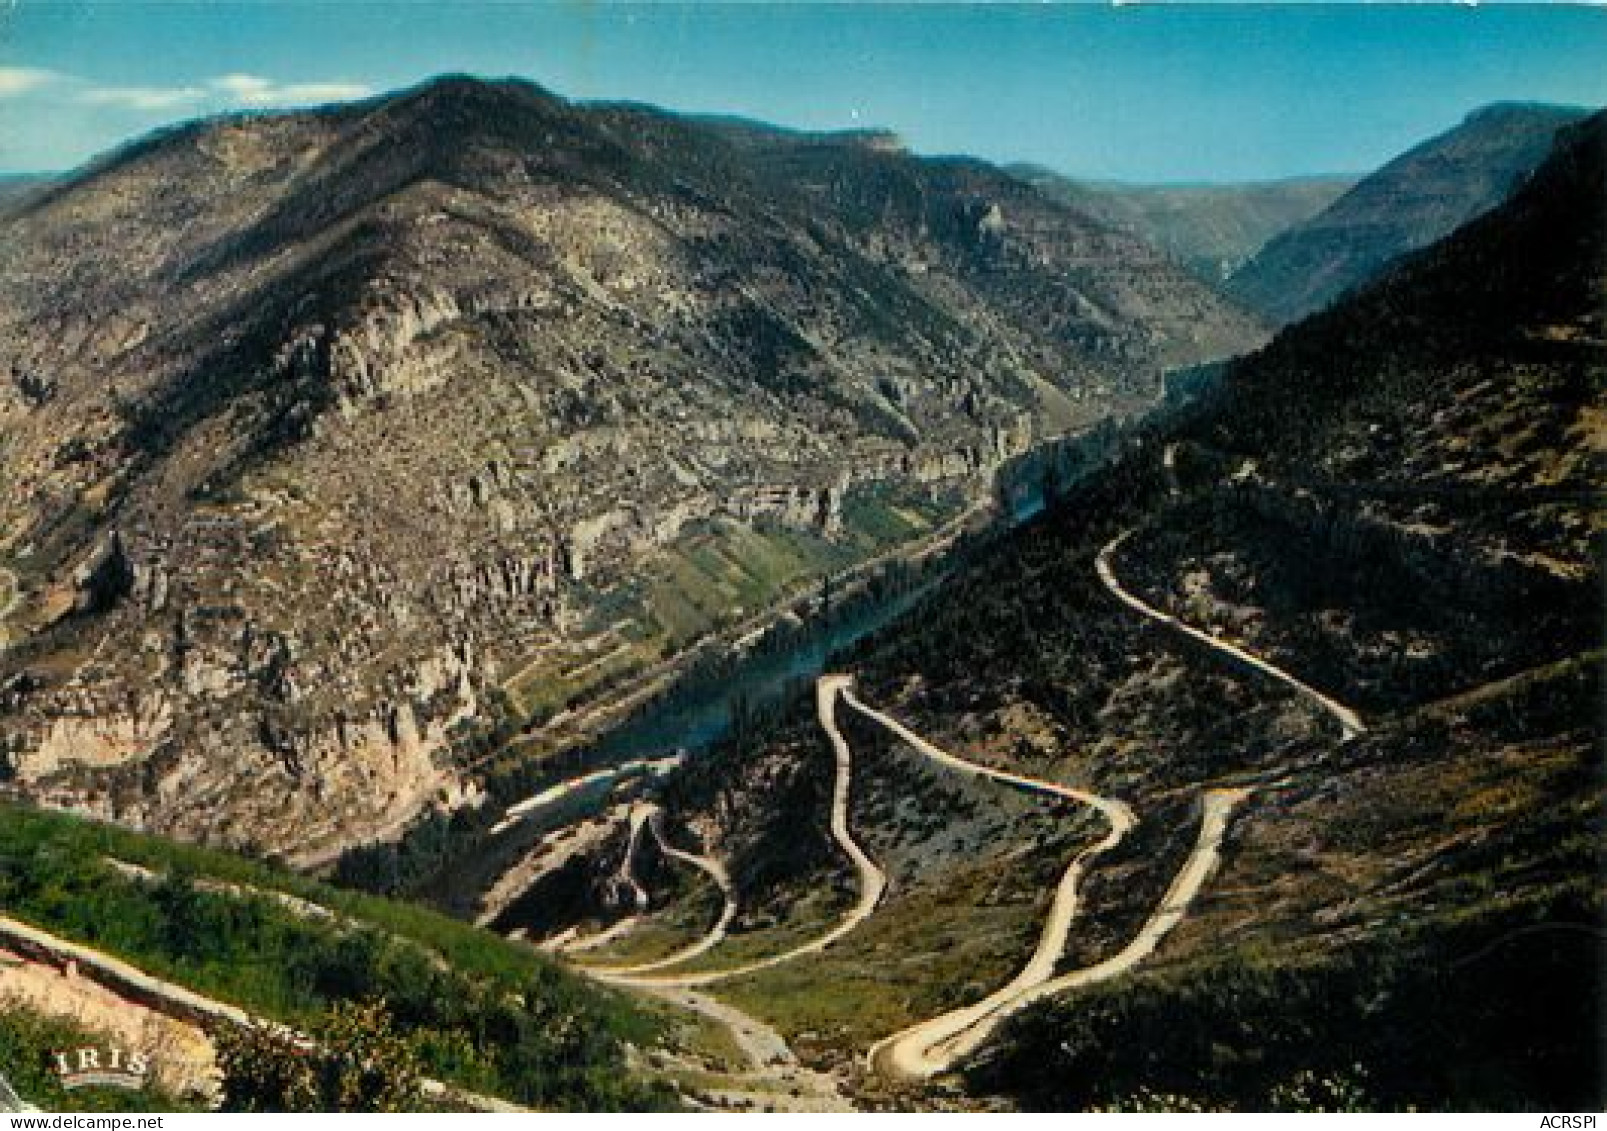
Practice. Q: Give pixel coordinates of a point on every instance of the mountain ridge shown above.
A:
(1407, 203)
(355, 432)
(1212, 229)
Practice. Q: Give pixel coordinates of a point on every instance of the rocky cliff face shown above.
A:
(320, 430)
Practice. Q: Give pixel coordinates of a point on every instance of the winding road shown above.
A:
(716, 871)
(932, 1047)
(626, 875)
(1349, 721)
(627, 866)
(921, 1051)
(772, 1060)
(555, 793)
(872, 880)
(572, 942)
(550, 852)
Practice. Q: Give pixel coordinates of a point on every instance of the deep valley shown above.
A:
(609, 609)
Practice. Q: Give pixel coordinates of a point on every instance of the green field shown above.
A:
(722, 572)
(714, 576)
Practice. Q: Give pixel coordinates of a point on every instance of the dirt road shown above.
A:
(872, 880)
(932, 1047)
(555, 793)
(1349, 721)
(716, 871)
(921, 1050)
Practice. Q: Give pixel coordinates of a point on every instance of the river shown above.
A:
(694, 715)
(700, 710)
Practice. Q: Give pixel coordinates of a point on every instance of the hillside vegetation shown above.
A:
(1422, 903)
(1397, 501)
(483, 1013)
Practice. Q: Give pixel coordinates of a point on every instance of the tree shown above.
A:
(354, 1060)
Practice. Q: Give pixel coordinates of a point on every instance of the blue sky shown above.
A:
(1140, 92)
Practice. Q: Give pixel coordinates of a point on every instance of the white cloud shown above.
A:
(143, 97)
(254, 90)
(23, 80)
(231, 90)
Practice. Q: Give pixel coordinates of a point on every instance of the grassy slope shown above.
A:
(487, 1014)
